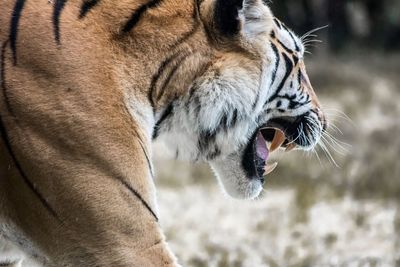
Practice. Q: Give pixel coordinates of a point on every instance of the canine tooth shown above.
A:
(270, 168)
(279, 139)
(290, 147)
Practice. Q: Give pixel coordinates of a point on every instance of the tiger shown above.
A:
(88, 85)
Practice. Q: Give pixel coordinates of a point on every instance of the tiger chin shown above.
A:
(87, 85)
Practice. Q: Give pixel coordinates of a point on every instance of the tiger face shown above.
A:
(252, 97)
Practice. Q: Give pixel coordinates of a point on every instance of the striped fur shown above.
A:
(87, 85)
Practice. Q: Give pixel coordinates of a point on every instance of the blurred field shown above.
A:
(312, 212)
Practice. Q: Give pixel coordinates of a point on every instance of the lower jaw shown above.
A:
(234, 181)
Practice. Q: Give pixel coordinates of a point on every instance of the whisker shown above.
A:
(308, 45)
(344, 144)
(335, 128)
(328, 153)
(337, 112)
(325, 140)
(336, 147)
(336, 115)
(312, 41)
(315, 152)
(313, 31)
(308, 36)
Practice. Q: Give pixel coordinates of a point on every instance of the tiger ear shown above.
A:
(221, 17)
(226, 17)
(230, 18)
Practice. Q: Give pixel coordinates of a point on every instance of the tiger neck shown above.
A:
(170, 82)
(158, 61)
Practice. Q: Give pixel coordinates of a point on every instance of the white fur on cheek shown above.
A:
(217, 100)
(228, 97)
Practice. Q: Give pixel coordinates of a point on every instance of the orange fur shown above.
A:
(76, 135)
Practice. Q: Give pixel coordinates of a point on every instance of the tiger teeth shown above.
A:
(279, 139)
(290, 147)
(270, 168)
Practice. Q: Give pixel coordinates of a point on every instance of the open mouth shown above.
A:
(285, 132)
(265, 141)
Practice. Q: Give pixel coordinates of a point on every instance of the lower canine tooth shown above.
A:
(279, 139)
(270, 168)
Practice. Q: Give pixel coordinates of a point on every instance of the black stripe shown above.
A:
(6, 139)
(31, 186)
(129, 187)
(288, 97)
(136, 16)
(171, 75)
(136, 193)
(147, 158)
(299, 77)
(58, 8)
(140, 140)
(195, 26)
(196, 104)
(3, 78)
(187, 35)
(158, 74)
(294, 41)
(18, 7)
(291, 35)
(295, 60)
(278, 23)
(295, 104)
(214, 153)
(170, 59)
(290, 51)
(227, 121)
(86, 7)
(167, 113)
(234, 117)
(289, 68)
(277, 62)
(193, 88)
(275, 71)
(206, 139)
(151, 173)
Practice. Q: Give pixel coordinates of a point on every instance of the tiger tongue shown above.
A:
(261, 147)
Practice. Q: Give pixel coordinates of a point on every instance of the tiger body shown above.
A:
(85, 88)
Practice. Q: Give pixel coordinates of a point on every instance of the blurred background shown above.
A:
(336, 208)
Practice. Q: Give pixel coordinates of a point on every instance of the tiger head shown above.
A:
(251, 96)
